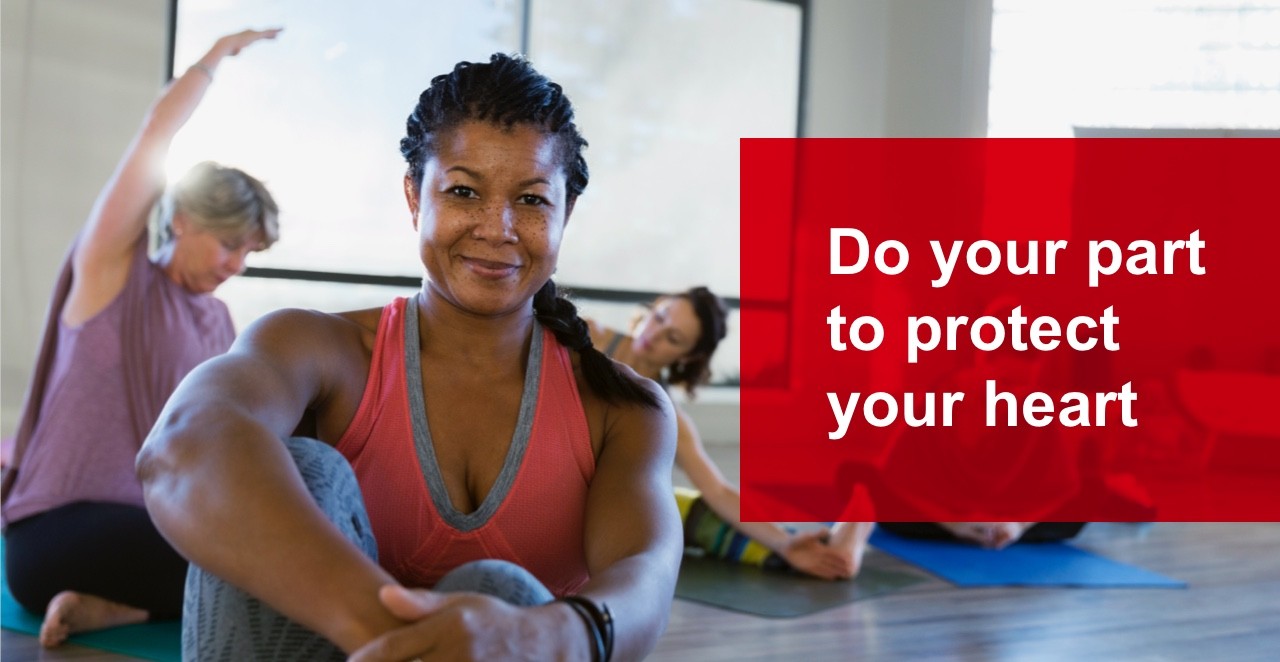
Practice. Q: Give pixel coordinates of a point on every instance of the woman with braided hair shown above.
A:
(672, 343)
(471, 479)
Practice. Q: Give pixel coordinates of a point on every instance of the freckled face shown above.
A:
(668, 332)
(490, 215)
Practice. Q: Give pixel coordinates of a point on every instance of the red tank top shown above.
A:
(533, 515)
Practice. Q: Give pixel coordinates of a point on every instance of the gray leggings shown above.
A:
(221, 622)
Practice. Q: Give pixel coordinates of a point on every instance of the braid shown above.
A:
(560, 316)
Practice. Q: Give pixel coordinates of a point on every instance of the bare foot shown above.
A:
(70, 612)
(851, 537)
(992, 535)
(1007, 533)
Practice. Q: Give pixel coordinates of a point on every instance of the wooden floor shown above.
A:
(1231, 611)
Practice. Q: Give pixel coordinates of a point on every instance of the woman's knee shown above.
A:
(332, 483)
(500, 579)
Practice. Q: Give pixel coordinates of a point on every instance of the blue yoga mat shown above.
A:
(153, 641)
(1025, 564)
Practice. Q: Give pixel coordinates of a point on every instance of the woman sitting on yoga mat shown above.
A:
(672, 343)
(122, 331)
(511, 492)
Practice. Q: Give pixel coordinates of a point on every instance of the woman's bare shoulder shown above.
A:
(298, 329)
(603, 416)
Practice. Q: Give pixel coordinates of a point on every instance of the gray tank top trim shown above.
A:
(422, 431)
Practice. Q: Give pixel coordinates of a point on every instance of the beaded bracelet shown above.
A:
(599, 622)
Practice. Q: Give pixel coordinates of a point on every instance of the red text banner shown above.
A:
(1010, 330)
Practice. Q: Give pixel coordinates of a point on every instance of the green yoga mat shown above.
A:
(152, 641)
(752, 590)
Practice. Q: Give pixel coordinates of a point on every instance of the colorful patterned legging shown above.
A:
(705, 531)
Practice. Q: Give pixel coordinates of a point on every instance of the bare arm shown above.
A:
(222, 488)
(804, 551)
(119, 216)
(721, 495)
(633, 540)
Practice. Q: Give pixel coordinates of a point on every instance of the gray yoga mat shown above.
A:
(753, 590)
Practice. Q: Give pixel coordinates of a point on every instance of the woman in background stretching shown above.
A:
(122, 330)
(673, 343)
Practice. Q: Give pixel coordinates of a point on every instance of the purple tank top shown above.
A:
(98, 388)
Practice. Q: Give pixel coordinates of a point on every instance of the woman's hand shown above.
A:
(232, 44)
(472, 626)
(809, 553)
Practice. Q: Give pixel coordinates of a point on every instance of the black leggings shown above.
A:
(109, 550)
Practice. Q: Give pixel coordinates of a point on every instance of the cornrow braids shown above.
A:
(558, 314)
(505, 91)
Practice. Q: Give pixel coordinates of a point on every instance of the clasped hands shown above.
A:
(473, 626)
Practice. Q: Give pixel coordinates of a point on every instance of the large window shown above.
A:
(319, 114)
(664, 90)
(1138, 64)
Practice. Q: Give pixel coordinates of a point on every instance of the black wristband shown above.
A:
(599, 622)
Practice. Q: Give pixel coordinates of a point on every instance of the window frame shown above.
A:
(579, 292)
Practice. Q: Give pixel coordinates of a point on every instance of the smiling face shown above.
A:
(490, 215)
(667, 332)
(203, 258)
